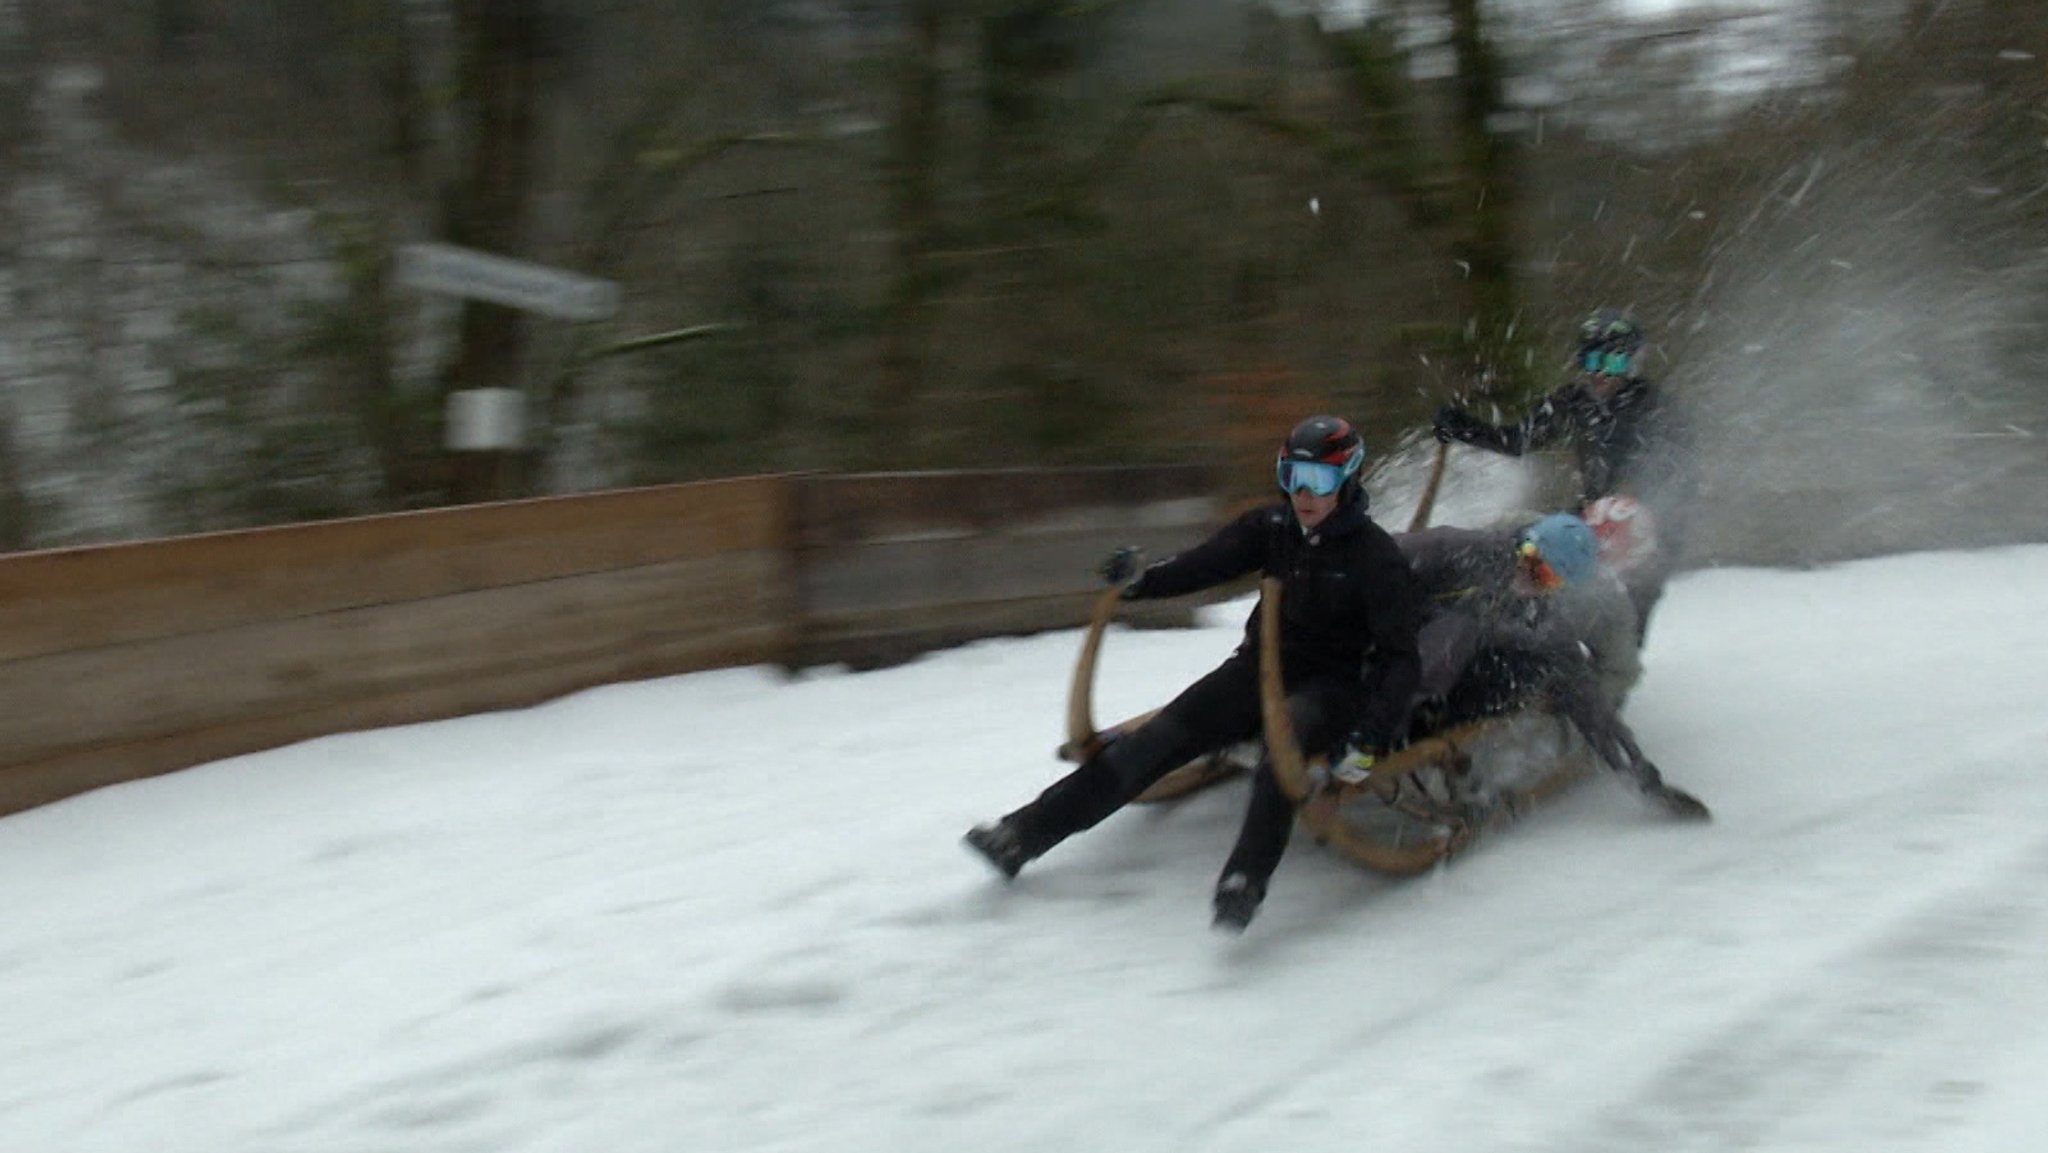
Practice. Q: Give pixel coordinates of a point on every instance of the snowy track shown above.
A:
(729, 912)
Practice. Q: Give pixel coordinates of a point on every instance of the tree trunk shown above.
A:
(486, 208)
(914, 209)
(1487, 160)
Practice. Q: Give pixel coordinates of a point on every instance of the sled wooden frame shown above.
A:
(1084, 740)
(1319, 809)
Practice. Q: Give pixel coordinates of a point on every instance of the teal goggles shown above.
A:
(1606, 361)
(1313, 475)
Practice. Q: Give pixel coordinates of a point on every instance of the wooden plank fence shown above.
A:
(890, 565)
(129, 660)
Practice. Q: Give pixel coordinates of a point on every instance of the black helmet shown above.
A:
(1609, 330)
(1322, 454)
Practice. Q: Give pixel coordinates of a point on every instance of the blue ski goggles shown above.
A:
(1606, 361)
(1313, 475)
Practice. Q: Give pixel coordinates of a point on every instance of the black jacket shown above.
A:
(1628, 442)
(1349, 604)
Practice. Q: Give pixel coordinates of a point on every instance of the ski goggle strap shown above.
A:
(1539, 570)
(1605, 361)
(1315, 476)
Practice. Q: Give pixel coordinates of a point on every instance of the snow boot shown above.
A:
(1000, 845)
(1237, 899)
(1678, 803)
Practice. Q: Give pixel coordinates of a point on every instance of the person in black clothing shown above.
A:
(1350, 607)
(1629, 446)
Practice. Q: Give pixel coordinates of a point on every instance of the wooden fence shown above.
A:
(126, 661)
(895, 564)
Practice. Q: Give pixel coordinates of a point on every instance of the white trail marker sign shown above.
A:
(436, 267)
(494, 419)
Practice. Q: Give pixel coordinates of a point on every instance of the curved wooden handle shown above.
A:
(1281, 746)
(1081, 732)
(1420, 520)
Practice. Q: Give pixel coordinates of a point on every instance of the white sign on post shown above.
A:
(486, 419)
(436, 267)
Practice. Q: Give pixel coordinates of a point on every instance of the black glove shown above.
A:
(1673, 800)
(1450, 421)
(1366, 741)
(1352, 764)
(1119, 565)
(1678, 802)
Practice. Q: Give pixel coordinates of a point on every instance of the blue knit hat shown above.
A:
(1566, 544)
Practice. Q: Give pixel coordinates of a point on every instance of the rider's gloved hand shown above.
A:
(1450, 421)
(1354, 762)
(1117, 569)
(1353, 766)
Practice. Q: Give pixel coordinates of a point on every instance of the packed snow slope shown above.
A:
(730, 912)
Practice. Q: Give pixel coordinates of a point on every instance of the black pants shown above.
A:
(1220, 709)
(1645, 586)
(1645, 582)
(1502, 681)
(1494, 683)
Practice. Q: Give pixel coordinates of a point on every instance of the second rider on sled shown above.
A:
(1349, 613)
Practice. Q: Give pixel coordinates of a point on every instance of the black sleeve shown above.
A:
(1435, 555)
(1232, 551)
(1393, 666)
(1447, 641)
(1543, 427)
(1549, 423)
(1465, 428)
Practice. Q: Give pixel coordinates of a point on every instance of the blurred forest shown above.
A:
(897, 234)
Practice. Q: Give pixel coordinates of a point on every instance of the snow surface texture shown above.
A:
(730, 911)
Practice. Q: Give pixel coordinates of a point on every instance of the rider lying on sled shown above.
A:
(1524, 618)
